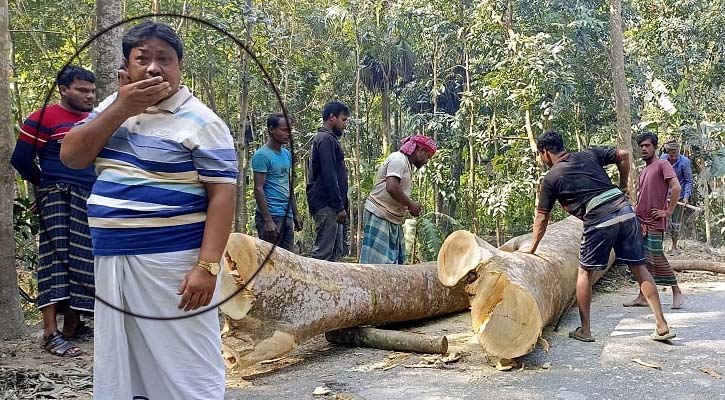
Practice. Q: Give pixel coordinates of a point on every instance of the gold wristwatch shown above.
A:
(212, 267)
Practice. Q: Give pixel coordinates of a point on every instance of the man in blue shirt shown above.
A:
(683, 169)
(271, 165)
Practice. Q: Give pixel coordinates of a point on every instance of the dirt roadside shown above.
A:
(689, 368)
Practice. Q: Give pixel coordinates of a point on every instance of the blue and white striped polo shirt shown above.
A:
(149, 196)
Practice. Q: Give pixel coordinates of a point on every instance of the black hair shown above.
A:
(647, 135)
(72, 72)
(334, 108)
(274, 118)
(146, 30)
(550, 140)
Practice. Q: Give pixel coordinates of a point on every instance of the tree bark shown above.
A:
(294, 298)
(10, 314)
(621, 92)
(385, 106)
(389, 340)
(358, 178)
(107, 49)
(242, 214)
(513, 294)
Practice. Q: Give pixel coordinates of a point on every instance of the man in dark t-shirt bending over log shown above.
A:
(580, 184)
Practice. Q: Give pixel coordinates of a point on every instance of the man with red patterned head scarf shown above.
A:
(389, 200)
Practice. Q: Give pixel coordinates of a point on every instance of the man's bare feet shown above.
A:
(638, 302)
(678, 300)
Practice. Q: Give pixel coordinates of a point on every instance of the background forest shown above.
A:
(482, 77)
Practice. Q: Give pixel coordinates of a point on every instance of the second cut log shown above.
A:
(513, 294)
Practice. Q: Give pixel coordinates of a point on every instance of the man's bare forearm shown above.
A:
(396, 192)
(623, 166)
(219, 217)
(674, 195)
(540, 223)
(83, 143)
(262, 204)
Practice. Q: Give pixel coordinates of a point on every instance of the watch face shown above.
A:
(215, 268)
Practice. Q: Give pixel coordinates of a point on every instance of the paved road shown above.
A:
(576, 370)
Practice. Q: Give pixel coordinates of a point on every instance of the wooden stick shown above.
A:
(389, 340)
(690, 206)
(698, 265)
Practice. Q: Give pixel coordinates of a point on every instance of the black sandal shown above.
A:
(57, 345)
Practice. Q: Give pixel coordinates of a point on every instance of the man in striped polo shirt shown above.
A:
(65, 261)
(160, 215)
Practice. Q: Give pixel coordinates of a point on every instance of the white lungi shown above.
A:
(137, 359)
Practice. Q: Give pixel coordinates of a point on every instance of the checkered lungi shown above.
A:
(657, 263)
(383, 242)
(674, 225)
(65, 255)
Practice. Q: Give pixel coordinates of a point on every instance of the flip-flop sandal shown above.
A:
(83, 332)
(662, 337)
(634, 304)
(576, 334)
(57, 345)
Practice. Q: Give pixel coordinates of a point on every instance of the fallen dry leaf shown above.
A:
(451, 358)
(272, 361)
(646, 364)
(544, 345)
(505, 364)
(710, 372)
(391, 366)
(321, 391)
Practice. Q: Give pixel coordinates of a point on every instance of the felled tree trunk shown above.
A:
(698, 265)
(294, 298)
(513, 294)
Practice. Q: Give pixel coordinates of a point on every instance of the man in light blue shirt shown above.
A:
(683, 169)
(271, 164)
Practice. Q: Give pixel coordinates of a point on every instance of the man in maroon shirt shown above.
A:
(653, 209)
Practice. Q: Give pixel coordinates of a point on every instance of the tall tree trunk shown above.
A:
(434, 101)
(530, 130)
(242, 214)
(705, 179)
(386, 115)
(358, 178)
(621, 92)
(107, 54)
(10, 314)
(208, 81)
(471, 149)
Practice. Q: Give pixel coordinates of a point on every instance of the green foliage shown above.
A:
(25, 226)
(466, 73)
(429, 235)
